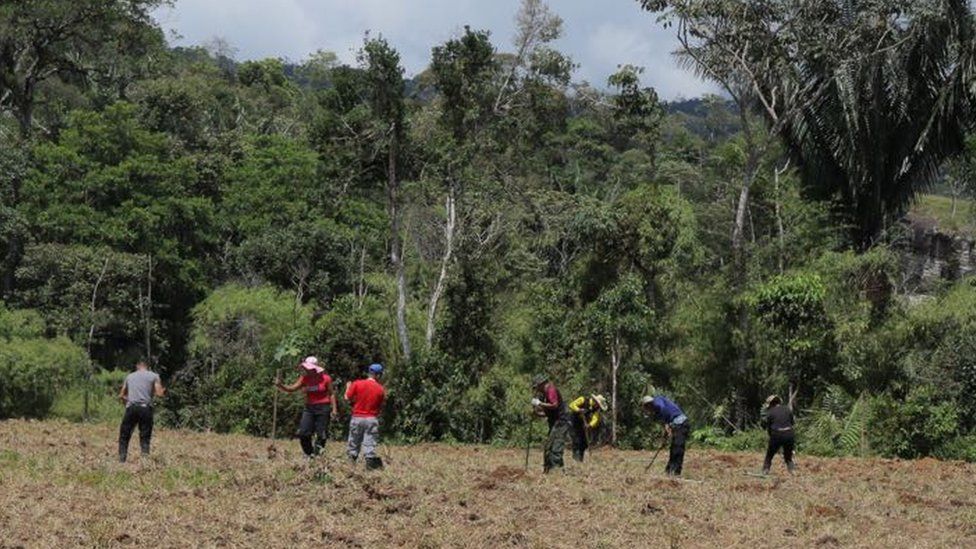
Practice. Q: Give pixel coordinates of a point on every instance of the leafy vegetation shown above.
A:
(489, 219)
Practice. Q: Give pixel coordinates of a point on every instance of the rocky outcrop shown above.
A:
(931, 256)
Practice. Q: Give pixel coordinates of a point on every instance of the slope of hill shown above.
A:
(60, 487)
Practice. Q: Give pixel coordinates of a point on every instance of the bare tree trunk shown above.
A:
(779, 216)
(742, 208)
(435, 296)
(396, 246)
(149, 305)
(614, 369)
(361, 290)
(93, 307)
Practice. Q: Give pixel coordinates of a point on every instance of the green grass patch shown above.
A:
(322, 477)
(9, 458)
(285, 475)
(939, 208)
(190, 477)
(104, 478)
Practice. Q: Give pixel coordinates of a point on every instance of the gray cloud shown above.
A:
(598, 35)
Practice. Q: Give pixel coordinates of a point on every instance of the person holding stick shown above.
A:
(319, 405)
(550, 404)
(586, 418)
(778, 422)
(676, 427)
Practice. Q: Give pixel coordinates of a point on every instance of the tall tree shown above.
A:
(386, 89)
(83, 39)
(90, 41)
(463, 69)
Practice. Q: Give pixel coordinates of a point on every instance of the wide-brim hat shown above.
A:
(772, 399)
(312, 364)
(601, 401)
(539, 380)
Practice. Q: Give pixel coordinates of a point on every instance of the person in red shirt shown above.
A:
(320, 402)
(366, 397)
(549, 403)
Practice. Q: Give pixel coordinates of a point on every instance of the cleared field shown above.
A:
(60, 486)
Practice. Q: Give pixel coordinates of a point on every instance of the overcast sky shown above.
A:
(598, 34)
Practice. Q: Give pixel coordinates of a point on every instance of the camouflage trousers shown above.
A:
(555, 445)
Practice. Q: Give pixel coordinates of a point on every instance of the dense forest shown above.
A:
(489, 219)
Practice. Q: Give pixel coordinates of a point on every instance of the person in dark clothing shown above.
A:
(676, 427)
(137, 394)
(319, 405)
(549, 403)
(779, 424)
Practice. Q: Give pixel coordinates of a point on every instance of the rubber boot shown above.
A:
(374, 463)
(791, 467)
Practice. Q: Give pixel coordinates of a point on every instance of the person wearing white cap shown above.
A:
(665, 411)
(320, 402)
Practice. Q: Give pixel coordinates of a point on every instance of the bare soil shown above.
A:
(61, 487)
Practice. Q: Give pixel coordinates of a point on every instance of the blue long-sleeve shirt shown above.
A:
(665, 410)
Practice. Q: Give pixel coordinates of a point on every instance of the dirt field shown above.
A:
(60, 486)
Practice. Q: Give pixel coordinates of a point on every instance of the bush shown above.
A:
(750, 440)
(103, 399)
(34, 371)
(915, 427)
(961, 448)
(240, 337)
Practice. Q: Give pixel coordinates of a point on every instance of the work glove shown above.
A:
(536, 402)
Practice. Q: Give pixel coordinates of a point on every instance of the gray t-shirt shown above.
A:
(139, 386)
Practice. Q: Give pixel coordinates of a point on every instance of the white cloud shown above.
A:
(599, 35)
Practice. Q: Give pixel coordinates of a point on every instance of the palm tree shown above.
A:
(871, 96)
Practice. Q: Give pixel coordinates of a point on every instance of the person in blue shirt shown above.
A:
(662, 409)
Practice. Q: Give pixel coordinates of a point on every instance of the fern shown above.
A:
(852, 436)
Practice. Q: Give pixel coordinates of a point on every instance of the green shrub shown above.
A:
(749, 440)
(961, 448)
(23, 324)
(914, 427)
(103, 399)
(34, 371)
(240, 337)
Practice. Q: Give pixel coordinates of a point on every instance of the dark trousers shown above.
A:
(580, 444)
(315, 421)
(780, 439)
(135, 414)
(555, 444)
(679, 437)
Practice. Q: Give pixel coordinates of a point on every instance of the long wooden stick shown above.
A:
(274, 413)
(528, 441)
(653, 459)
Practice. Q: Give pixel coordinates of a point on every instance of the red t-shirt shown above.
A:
(366, 396)
(317, 387)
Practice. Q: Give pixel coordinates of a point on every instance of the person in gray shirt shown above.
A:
(137, 394)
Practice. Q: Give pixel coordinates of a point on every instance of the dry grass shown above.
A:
(59, 486)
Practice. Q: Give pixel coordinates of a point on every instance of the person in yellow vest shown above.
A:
(586, 412)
